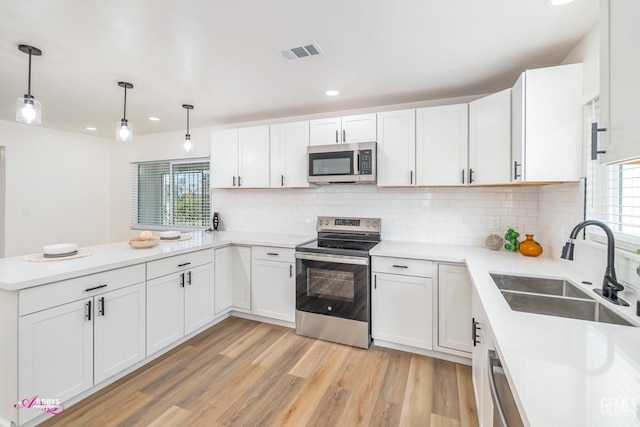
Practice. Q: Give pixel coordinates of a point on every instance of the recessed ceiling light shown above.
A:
(154, 119)
(92, 128)
(556, 3)
(332, 93)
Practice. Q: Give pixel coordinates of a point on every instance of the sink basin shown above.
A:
(553, 297)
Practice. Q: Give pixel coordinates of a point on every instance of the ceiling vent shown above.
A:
(300, 52)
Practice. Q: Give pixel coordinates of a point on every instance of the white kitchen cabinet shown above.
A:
(442, 145)
(222, 281)
(482, 342)
(397, 148)
(343, 130)
(402, 304)
(273, 283)
(454, 310)
(240, 158)
(241, 277)
(490, 139)
(546, 111)
(288, 155)
(619, 89)
(181, 301)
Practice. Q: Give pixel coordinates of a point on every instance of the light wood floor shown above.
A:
(244, 373)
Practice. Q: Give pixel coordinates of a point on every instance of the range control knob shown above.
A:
(368, 223)
(329, 308)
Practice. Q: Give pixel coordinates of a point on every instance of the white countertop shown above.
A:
(16, 273)
(563, 372)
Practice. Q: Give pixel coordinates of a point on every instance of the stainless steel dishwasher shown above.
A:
(505, 410)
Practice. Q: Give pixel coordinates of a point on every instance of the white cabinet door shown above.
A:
(325, 131)
(547, 124)
(253, 157)
(119, 330)
(241, 277)
(441, 145)
(397, 148)
(619, 89)
(222, 280)
(360, 128)
(288, 148)
(490, 139)
(224, 158)
(274, 289)
(165, 312)
(482, 343)
(454, 308)
(198, 297)
(55, 353)
(401, 310)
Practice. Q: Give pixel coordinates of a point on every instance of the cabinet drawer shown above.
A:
(273, 253)
(58, 293)
(165, 266)
(403, 266)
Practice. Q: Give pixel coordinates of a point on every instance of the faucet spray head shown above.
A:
(567, 250)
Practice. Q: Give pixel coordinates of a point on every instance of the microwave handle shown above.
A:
(358, 163)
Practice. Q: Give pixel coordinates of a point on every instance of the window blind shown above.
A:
(170, 194)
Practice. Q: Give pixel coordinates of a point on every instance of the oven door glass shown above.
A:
(333, 163)
(334, 289)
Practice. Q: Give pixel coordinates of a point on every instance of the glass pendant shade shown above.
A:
(188, 145)
(28, 110)
(124, 131)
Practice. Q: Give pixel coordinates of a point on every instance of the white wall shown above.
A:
(61, 180)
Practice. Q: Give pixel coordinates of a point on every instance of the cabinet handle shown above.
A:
(182, 280)
(95, 287)
(470, 176)
(234, 181)
(337, 136)
(281, 180)
(516, 175)
(411, 177)
(239, 181)
(272, 253)
(88, 314)
(184, 265)
(101, 300)
(400, 266)
(463, 176)
(290, 270)
(594, 140)
(474, 332)
(375, 281)
(189, 278)
(344, 135)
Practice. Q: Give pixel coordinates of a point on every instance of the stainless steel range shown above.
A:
(333, 281)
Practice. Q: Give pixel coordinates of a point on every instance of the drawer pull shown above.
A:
(184, 265)
(400, 266)
(95, 287)
(272, 253)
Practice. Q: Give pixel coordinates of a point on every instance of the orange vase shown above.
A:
(530, 247)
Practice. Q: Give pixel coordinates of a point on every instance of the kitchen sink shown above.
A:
(553, 297)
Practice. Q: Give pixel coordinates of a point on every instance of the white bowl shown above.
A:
(62, 248)
(169, 234)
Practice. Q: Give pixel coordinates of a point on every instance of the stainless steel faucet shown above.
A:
(610, 284)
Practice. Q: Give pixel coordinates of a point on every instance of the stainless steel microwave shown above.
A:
(342, 163)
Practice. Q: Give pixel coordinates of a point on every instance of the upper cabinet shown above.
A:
(441, 145)
(547, 125)
(490, 139)
(343, 130)
(619, 89)
(288, 154)
(397, 148)
(240, 158)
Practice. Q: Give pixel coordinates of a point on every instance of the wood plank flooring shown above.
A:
(245, 373)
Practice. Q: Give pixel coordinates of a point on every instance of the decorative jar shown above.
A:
(530, 247)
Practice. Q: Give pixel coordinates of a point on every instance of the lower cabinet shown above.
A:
(274, 283)
(232, 278)
(180, 302)
(401, 304)
(454, 310)
(482, 342)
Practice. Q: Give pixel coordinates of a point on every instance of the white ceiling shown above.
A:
(222, 56)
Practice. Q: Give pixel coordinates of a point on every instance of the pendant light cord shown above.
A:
(125, 103)
(29, 79)
(187, 121)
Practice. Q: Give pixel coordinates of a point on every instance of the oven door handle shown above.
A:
(340, 259)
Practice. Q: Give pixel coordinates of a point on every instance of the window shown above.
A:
(170, 194)
(613, 195)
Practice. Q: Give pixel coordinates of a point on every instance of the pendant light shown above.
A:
(124, 129)
(188, 145)
(28, 110)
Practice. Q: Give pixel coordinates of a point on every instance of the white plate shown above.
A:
(169, 234)
(62, 248)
